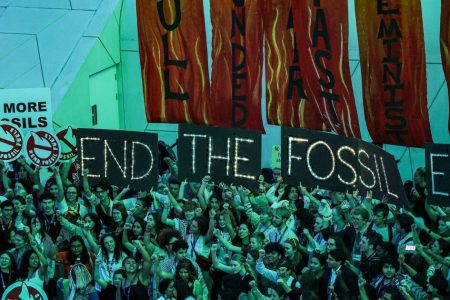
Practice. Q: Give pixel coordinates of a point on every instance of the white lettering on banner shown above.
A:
(211, 156)
(107, 149)
(436, 173)
(379, 176)
(152, 161)
(238, 158)
(228, 158)
(194, 137)
(83, 157)
(290, 156)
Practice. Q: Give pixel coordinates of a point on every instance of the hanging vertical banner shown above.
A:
(445, 43)
(172, 46)
(286, 100)
(391, 46)
(321, 31)
(237, 63)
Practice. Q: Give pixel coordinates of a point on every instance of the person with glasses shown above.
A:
(360, 217)
(99, 199)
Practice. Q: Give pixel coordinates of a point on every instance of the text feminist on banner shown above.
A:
(391, 46)
(445, 43)
(237, 63)
(228, 155)
(174, 65)
(121, 157)
(286, 100)
(437, 161)
(340, 164)
(321, 31)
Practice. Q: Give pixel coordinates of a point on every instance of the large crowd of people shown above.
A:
(208, 240)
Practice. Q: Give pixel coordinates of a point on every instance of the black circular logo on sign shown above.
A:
(11, 142)
(68, 143)
(43, 148)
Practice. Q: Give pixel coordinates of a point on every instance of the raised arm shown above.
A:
(43, 261)
(230, 247)
(144, 274)
(165, 214)
(216, 263)
(59, 183)
(125, 242)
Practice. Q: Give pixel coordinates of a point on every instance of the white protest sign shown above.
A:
(28, 109)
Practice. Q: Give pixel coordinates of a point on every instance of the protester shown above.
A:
(187, 240)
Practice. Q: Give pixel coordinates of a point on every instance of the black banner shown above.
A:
(228, 155)
(340, 164)
(437, 161)
(121, 157)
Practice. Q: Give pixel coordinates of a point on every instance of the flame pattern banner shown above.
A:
(445, 43)
(286, 101)
(174, 65)
(237, 63)
(321, 30)
(392, 52)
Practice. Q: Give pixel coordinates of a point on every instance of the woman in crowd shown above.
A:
(7, 270)
(77, 253)
(34, 266)
(110, 258)
(135, 283)
(162, 262)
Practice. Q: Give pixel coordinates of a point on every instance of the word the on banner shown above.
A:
(340, 164)
(29, 109)
(121, 158)
(437, 160)
(229, 155)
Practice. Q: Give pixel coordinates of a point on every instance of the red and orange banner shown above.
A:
(445, 42)
(392, 53)
(321, 30)
(237, 63)
(286, 100)
(174, 65)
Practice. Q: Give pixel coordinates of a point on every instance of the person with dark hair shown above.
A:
(403, 230)
(111, 257)
(33, 267)
(77, 253)
(167, 289)
(282, 276)
(360, 218)
(371, 263)
(108, 288)
(391, 276)
(8, 271)
(338, 280)
(379, 222)
(48, 214)
(45, 242)
(238, 280)
(135, 284)
(88, 229)
(186, 275)
(7, 223)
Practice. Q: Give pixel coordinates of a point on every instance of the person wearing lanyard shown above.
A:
(339, 281)
(281, 232)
